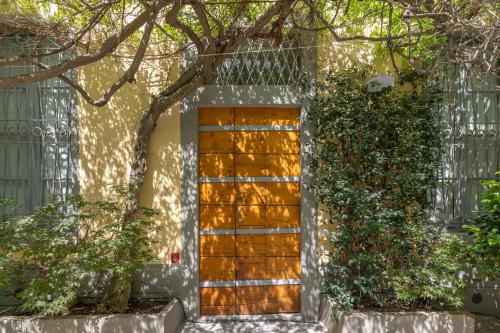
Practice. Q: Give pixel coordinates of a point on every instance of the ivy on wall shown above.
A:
(377, 156)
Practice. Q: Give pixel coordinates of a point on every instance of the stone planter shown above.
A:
(397, 322)
(167, 321)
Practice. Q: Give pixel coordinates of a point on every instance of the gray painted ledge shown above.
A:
(167, 321)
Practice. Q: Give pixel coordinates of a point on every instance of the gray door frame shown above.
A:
(232, 96)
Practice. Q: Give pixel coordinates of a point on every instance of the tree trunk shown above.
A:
(117, 292)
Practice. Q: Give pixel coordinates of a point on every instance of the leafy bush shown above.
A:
(59, 250)
(377, 157)
(484, 252)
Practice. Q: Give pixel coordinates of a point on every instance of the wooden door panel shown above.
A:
(251, 193)
(282, 268)
(250, 142)
(216, 142)
(283, 216)
(217, 269)
(281, 142)
(251, 165)
(217, 193)
(216, 165)
(217, 217)
(283, 193)
(252, 309)
(267, 116)
(283, 245)
(217, 245)
(283, 307)
(218, 296)
(215, 116)
(251, 217)
(251, 268)
(207, 310)
(283, 165)
(251, 245)
(249, 205)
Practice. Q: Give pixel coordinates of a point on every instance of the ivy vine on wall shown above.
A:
(377, 157)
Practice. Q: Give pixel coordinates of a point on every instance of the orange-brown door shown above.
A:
(249, 196)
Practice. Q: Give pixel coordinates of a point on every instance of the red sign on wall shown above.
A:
(175, 257)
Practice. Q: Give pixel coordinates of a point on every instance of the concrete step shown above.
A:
(252, 327)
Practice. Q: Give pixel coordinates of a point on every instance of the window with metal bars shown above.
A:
(38, 141)
(472, 145)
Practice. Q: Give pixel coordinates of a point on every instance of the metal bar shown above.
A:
(247, 283)
(242, 128)
(249, 179)
(250, 231)
(267, 282)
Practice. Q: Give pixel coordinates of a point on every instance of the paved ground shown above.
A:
(484, 324)
(253, 327)
(487, 324)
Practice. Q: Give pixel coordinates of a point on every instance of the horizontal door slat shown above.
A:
(206, 310)
(217, 269)
(266, 116)
(282, 245)
(217, 245)
(218, 296)
(282, 216)
(216, 142)
(216, 165)
(215, 116)
(217, 217)
(217, 193)
(251, 245)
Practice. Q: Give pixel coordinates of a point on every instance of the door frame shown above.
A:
(250, 96)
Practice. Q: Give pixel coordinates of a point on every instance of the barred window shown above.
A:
(472, 144)
(38, 141)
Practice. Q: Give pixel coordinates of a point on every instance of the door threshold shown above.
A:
(297, 317)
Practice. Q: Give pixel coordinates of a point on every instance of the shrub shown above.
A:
(377, 157)
(484, 252)
(58, 250)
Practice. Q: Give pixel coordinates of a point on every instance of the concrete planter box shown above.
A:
(167, 321)
(397, 322)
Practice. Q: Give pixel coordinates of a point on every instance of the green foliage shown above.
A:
(484, 252)
(64, 248)
(377, 157)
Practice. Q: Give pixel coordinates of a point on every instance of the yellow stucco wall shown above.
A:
(107, 135)
(106, 140)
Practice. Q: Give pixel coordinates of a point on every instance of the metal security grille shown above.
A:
(262, 63)
(37, 131)
(472, 120)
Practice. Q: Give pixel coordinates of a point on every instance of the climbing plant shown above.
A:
(484, 251)
(377, 158)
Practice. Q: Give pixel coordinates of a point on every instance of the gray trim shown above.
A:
(218, 232)
(310, 277)
(250, 231)
(249, 179)
(216, 179)
(205, 284)
(189, 209)
(222, 128)
(283, 282)
(266, 128)
(242, 128)
(248, 283)
(258, 96)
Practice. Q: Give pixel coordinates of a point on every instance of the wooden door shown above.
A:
(249, 200)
